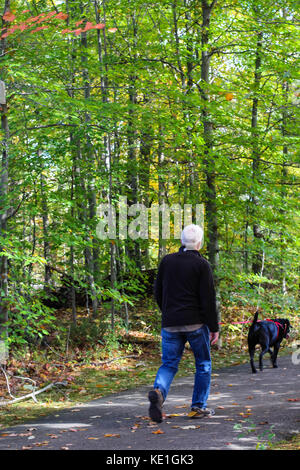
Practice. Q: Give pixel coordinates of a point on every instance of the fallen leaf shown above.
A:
(189, 427)
(159, 431)
(112, 435)
(95, 438)
(293, 399)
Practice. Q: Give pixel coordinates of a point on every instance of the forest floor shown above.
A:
(128, 365)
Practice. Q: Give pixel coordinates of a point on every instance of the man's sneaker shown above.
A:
(200, 413)
(156, 402)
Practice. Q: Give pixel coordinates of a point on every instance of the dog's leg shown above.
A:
(251, 353)
(271, 354)
(263, 351)
(274, 355)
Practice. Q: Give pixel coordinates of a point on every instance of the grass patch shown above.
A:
(292, 443)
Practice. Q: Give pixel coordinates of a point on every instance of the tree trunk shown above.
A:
(102, 55)
(209, 157)
(47, 273)
(257, 260)
(91, 196)
(3, 201)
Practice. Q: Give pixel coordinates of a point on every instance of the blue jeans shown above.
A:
(172, 349)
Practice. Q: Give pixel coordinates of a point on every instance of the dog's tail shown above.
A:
(255, 318)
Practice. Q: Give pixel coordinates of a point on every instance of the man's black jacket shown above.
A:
(184, 290)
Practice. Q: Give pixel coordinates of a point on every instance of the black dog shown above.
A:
(267, 333)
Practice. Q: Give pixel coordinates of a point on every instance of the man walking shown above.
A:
(185, 293)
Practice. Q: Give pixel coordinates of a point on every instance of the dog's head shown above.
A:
(286, 326)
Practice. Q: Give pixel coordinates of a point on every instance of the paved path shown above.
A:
(265, 401)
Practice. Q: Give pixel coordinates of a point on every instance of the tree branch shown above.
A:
(33, 394)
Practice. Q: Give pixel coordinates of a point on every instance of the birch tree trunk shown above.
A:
(47, 272)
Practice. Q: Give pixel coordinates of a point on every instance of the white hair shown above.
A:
(191, 235)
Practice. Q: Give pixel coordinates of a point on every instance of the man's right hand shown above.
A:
(213, 337)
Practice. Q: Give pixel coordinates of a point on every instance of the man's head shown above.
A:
(192, 237)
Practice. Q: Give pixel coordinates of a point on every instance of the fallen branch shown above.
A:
(29, 380)
(108, 361)
(7, 383)
(33, 394)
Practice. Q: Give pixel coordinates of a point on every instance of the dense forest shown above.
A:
(167, 103)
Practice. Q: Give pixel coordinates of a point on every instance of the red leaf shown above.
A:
(99, 26)
(38, 29)
(78, 23)
(32, 19)
(22, 26)
(8, 16)
(88, 26)
(51, 13)
(61, 16)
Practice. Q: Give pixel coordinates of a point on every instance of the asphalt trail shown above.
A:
(250, 410)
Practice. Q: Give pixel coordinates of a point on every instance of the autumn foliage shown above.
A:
(33, 21)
